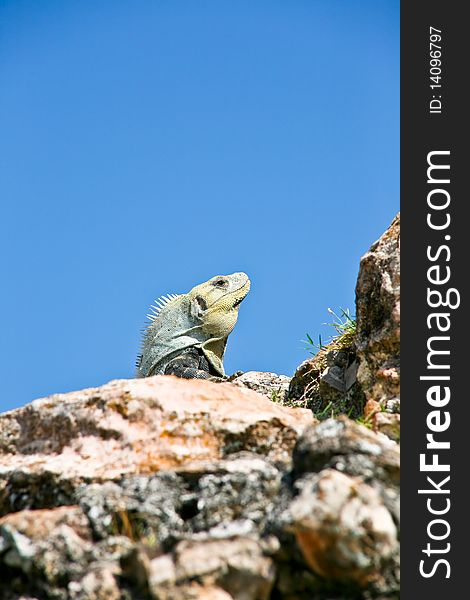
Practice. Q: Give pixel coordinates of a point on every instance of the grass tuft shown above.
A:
(345, 326)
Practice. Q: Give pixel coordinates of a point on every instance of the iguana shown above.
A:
(188, 332)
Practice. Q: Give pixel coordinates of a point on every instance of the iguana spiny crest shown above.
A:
(188, 332)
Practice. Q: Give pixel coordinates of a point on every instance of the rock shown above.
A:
(43, 549)
(235, 497)
(237, 565)
(218, 500)
(327, 383)
(237, 527)
(273, 386)
(126, 427)
(371, 407)
(141, 508)
(354, 450)
(343, 528)
(346, 515)
(98, 584)
(191, 591)
(350, 448)
(378, 317)
(306, 374)
(171, 489)
(387, 423)
(363, 366)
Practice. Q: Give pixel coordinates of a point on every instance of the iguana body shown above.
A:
(188, 333)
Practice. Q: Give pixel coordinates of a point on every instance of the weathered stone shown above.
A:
(355, 450)
(169, 489)
(273, 386)
(342, 443)
(190, 591)
(236, 498)
(387, 423)
(237, 565)
(378, 317)
(140, 508)
(133, 427)
(371, 407)
(218, 499)
(161, 575)
(98, 584)
(306, 374)
(326, 383)
(45, 548)
(343, 529)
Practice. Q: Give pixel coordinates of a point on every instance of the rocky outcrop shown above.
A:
(327, 382)
(131, 427)
(170, 489)
(378, 319)
(273, 386)
(164, 488)
(378, 331)
(358, 373)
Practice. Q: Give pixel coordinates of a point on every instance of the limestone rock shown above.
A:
(378, 317)
(234, 567)
(273, 386)
(355, 369)
(346, 516)
(128, 427)
(243, 526)
(100, 583)
(170, 489)
(350, 448)
(343, 529)
(216, 499)
(387, 423)
(45, 547)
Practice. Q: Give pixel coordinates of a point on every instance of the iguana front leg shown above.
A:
(182, 367)
(190, 365)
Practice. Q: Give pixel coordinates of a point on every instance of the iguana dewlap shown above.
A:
(188, 332)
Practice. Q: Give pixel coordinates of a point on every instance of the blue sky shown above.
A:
(147, 146)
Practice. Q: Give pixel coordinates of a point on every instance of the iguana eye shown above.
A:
(220, 282)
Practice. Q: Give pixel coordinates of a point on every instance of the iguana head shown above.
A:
(215, 303)
(202, 318)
